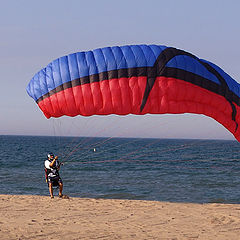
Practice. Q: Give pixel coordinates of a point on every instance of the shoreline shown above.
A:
(40, 217)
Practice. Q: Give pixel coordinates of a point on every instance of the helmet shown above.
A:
(50, 155)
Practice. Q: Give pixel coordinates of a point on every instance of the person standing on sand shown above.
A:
(52, 167)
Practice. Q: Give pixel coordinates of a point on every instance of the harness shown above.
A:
(53, 170)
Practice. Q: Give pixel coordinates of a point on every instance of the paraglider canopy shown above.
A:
(136, 79)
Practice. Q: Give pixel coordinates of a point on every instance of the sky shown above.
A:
(34, 33)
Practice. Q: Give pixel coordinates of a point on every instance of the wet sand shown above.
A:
(40, 217)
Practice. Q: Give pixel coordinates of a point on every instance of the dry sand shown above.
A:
(40, 217)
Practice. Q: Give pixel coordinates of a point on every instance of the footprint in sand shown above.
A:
(222, 220)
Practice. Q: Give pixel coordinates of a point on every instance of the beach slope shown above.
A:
(40, 217)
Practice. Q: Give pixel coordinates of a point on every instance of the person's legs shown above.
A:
(60, 188)
(50, 189)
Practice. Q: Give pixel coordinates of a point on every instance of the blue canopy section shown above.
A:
(192, 65)
(82, 64)
(232, 84)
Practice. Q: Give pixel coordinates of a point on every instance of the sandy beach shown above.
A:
(40, 217)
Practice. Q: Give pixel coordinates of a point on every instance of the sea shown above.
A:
(173, 170)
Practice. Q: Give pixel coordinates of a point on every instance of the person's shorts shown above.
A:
(54, 180)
